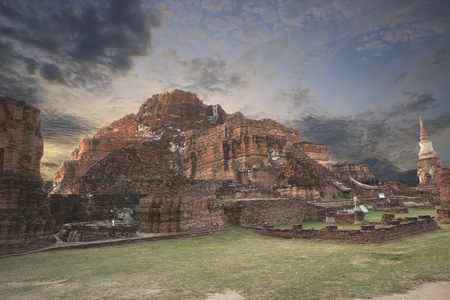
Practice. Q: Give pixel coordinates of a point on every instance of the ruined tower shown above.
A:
(25, 223)
(429, 163)
(443, 214)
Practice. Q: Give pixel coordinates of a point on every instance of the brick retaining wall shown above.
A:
(94, 231)
(443, 214)
(366, 235)
(260, 212)
(84, 208)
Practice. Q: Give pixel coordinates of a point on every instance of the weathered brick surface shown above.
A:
(89, 207)
(386, 218)
(302, 177)
(181, 205)
(444, 184)
(94, 231)
(241, 149)
(317, 211)
(260, 212)
(25, 222)
(363, 236)
(344, 218)
(358, 172)
(427, 170)
(128, 170)
(443, 214)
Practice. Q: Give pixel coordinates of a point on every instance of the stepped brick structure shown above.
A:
(429, 163)
(193, 139)
(174, 134)
(161, 116)
(25, 223)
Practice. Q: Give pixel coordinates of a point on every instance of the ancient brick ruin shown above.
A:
(443, 214)
(428, 166)
(179, 166)
(175, 135)
(25, 223)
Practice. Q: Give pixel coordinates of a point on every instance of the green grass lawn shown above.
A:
(256, 267)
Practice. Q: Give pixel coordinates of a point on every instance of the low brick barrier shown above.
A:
(366, 235)
(443, 216)
(94, 231)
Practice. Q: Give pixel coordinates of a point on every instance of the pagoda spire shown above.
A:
(423, 133)
(429, 163)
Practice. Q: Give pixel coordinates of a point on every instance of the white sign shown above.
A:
(381, 195)
(363, 208)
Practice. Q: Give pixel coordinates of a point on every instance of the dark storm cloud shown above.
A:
(31, 65)
(12, 82)
(415, 103)
(349, 138)
(108, 33)
(70, 42)
(212, 75)
(352, 139)
(53, 73)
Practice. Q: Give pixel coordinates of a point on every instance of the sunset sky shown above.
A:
(354, 75)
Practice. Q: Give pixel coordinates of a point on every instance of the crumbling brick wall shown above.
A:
(259, 212)
(367, 234)
(443, 214)
(344, 218)
(83, 208)
(25, 222)
(236, 148)
(95, 231)
(181, 205)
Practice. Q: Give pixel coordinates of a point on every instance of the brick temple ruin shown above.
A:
(25, 221)
(443, 214)
(179, 166)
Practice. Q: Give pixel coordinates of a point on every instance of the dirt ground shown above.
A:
(434, 290)
(228, 295)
